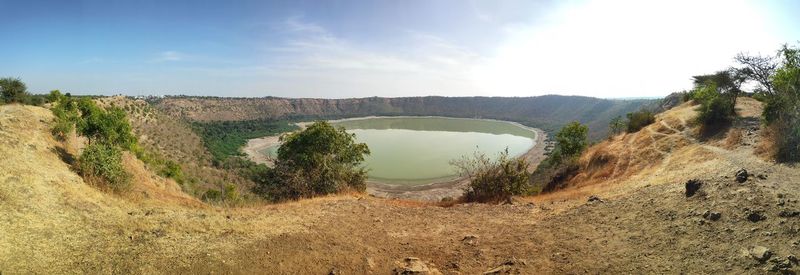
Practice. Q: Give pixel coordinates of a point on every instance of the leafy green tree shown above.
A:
(55, 96)
(638, 120)
(617, 125)
(319, 160)
(782, 110)
(571, 140)
(110, 125)
(717, 94)
(13, 90)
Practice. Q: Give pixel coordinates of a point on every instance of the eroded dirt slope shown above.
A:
(643, 222)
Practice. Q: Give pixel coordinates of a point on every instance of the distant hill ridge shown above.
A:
(547, 112)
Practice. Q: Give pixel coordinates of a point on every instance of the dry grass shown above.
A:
(767, 148)
(732, 139)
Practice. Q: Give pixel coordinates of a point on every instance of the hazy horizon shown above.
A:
(353, 49)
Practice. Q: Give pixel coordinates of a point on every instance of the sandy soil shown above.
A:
(52, 222)
(255, 146)
(429, 192)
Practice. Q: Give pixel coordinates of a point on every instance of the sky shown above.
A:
(343, 49)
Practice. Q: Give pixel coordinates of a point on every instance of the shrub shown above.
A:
(639, 120)
(783, 107)
(104, 162)
(171, 169)
(561, 163)
(616, 125)
(13, 90)
(493, 180)
(571, 140)
(67, 115)
(319, 160)
(110, 125)
(212, 195)
(717, 93)
(227, 194)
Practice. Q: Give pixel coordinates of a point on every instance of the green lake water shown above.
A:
(418, 150)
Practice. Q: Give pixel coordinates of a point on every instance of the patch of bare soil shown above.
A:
(52, 222)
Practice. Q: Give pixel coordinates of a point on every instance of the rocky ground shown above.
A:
(52, 222)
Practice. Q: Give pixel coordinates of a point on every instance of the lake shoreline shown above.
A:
(427, 192)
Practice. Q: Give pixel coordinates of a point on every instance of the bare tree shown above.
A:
(759, 68)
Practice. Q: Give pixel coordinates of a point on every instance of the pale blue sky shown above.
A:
(338, 49)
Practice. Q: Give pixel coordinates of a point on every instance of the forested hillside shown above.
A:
(547, 112)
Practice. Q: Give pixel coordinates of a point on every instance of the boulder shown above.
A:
(755, 217)
(742, 175)
(712, 215)
(760, 253)
(692, 186)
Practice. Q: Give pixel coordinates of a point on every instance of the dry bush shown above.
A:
(767, 148)
(733, 139)
(493, 181)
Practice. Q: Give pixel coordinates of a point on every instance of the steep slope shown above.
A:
(546, 112)
(52, 222)
(173, 139)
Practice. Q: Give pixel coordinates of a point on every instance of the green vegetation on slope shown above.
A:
(108, 131)
(13, 90)
(548, 113)
(779, 87)
(224, 139)
(638, 120)
(571, 141)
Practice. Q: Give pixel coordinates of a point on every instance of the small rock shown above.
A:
(594, 198)
(788, 213)
(742, 175)
(414, 266)
(692, 186)
(760, 253)
(334, 271)
(755, 217)
(762, 176)
(792, 258)
(453, 265)
(470, 240)
(508, 267)
(780, 264)
(713, 216)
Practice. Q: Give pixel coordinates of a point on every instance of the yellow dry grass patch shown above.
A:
(51, 219)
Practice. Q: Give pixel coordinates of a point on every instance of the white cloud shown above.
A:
(624, 48)
(620, 48)
(167, 56)
(315, 62)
